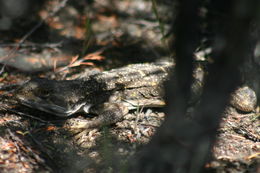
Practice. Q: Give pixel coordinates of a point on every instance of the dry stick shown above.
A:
(36, 157)
(27, 115)
(53, 122)
(12, 51)
(39, 144)
(15, 141)
(33, 45)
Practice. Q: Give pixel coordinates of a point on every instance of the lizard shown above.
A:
(111, 94)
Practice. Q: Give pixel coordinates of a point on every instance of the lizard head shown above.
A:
(61, 98)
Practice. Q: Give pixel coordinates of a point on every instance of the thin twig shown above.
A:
(27, 115)
(17, 139)
(12, 51)
(33, 45)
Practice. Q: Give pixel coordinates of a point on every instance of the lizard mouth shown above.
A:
(43, 105)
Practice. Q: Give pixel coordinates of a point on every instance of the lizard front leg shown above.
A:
(108, 113)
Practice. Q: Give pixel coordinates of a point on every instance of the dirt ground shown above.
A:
(34, 141)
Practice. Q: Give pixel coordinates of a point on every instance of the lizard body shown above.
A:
(110, 94)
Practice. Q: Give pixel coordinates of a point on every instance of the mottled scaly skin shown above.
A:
(110, 94)
(244, 99)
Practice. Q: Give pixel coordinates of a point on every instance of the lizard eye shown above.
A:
(42, 93)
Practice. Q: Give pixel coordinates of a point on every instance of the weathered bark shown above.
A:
(183, 145)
